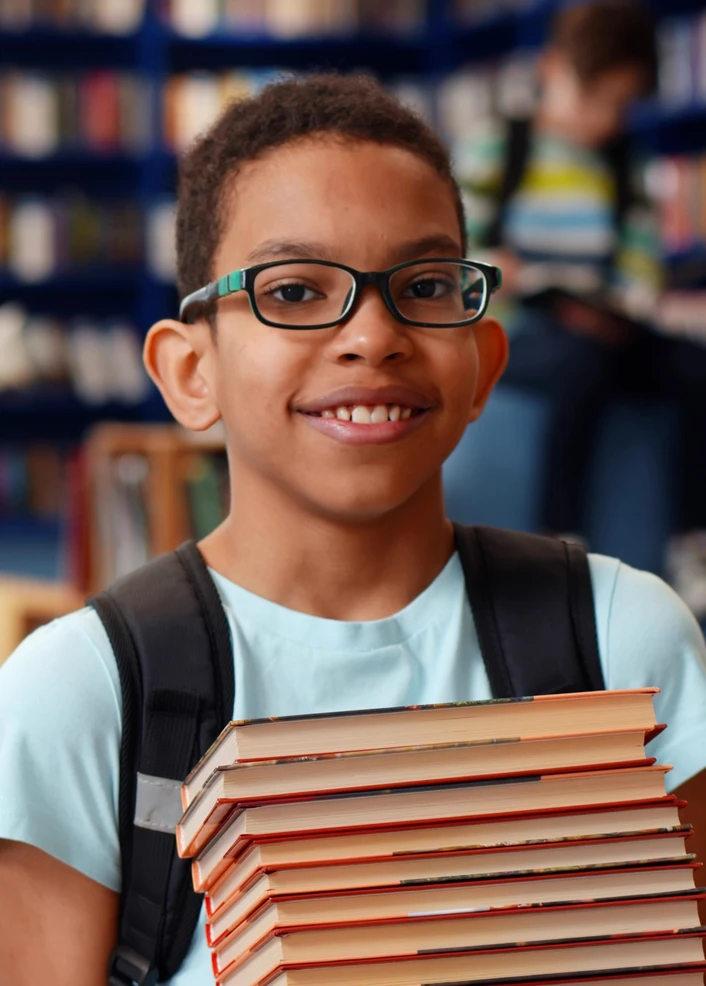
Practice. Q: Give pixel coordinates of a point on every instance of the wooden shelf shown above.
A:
(26, 604)
(167, 453)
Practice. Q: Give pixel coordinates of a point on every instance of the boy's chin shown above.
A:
(362, 501)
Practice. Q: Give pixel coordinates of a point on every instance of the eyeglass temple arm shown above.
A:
(228, 284)
(495, 278)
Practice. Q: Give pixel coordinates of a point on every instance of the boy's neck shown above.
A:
(544, 122)
(327, 567)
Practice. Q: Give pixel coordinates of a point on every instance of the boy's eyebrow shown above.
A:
(296, 249)
(439, 243)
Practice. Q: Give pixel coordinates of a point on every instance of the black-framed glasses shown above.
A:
(318, 294)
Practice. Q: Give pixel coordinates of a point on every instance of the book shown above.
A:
(538, 828)
(269, 858)
(418, 765)
(272, 963)
(346, 906)
(675, 974)
(408, 937)
(394, 728)
(415, 804)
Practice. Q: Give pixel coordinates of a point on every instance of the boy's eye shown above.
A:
(429, 287)
(292, 293)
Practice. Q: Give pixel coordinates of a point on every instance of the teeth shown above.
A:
(361, 415)
(364, 415)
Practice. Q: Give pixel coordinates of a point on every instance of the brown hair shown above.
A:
(603, 35)
(351, 107)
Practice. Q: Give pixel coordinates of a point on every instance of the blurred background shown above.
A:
(97, 98)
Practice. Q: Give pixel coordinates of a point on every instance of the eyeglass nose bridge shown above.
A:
(371, 278)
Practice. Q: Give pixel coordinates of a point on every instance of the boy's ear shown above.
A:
(493, 349)
(178, 358)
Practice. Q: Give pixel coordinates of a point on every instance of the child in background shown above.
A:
(341, 393)
(559, 199)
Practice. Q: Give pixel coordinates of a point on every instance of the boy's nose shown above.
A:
(372, 335)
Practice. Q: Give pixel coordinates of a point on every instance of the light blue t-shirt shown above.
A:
(60, 707)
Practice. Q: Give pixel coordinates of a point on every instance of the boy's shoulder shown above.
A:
(648, 637)
(633, 603)
(60, 735)
(70, 653)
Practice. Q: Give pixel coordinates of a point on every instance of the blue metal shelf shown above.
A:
(30, 526)
(114, 174)
(78, 279)
(678, 130)
(32, 414)
(502, 32)
(388, 54)
(505, 31)
(48, 48)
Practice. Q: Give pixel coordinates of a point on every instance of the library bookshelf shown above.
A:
(156, 58)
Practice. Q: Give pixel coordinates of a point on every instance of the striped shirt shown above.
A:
(560, 222)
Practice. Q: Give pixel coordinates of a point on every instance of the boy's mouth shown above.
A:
(368, 414)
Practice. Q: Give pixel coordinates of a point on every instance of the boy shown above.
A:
(567, 212)
(336, 564)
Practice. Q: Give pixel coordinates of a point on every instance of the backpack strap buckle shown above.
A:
(128, 968)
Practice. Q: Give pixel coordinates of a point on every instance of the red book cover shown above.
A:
(576, 951)
(464, 893)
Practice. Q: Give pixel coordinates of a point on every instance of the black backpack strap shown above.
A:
(618, 155)
(619, 158)
(516, 160)
(172, 645)
(532, 603)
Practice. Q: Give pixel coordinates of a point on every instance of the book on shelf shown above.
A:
(46, 236)
(207, 492)
(142, 494)
(100, 111)
(682, 60)
(282, 19)
(679, 185)
(97, 360)
(118, 17)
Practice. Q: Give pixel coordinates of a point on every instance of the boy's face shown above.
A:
(369, 207)
(588, 112)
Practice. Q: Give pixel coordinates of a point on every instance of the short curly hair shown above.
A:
(351, 107)
(601, 35)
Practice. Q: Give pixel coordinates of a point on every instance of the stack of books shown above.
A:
(525, 840)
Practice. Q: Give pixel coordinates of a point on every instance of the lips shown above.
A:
(353, 398)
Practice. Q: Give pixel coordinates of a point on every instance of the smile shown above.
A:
(363, 414)
(366, 424)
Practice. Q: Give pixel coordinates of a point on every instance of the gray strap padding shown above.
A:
(158, 803)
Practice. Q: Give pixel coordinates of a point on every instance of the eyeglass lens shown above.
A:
(431, 292)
